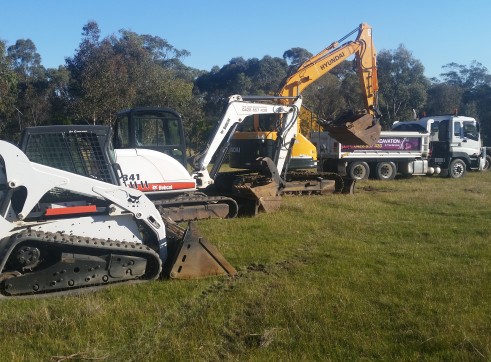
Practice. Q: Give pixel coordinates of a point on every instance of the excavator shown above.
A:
(247, 145)
(149, 157)
(63, 232)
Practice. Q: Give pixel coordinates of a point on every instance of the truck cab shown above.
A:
(459, 146)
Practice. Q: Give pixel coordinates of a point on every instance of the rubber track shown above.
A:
(80, 245)
(200, 199)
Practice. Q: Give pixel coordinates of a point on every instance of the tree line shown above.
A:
(124, 70)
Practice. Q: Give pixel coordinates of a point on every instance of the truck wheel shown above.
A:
(457, 168)
(487, 164)
(386, 170)
(359, 170)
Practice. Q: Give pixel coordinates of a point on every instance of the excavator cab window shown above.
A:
(247, 125)
(158, 129)
(258, 123)
(154, 131)
(121, 133)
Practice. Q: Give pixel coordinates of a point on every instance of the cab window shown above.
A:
(155, 131)
(471, 131)
(457, 129)
(122, 139)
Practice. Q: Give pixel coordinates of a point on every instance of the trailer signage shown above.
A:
(387, 144)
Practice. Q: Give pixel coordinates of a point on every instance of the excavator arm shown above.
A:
(364, 130)
(237, 110)
(329, 58)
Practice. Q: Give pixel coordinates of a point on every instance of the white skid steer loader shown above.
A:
(61, 232)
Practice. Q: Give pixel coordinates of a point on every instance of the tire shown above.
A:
(359, 170)
(385, 170)
(487, 164)
(457, 168)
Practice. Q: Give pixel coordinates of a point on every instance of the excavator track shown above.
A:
(197, 206)
(35, 263)
(255, 192)
(316, 183)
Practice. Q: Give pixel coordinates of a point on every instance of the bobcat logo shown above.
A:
(134, 199)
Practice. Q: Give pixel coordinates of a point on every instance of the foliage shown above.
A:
(296, 56)
(402, 83)
(8, 90)
(127, 69)
(469, 89)
(240, 76)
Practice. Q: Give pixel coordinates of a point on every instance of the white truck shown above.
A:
(446, 145)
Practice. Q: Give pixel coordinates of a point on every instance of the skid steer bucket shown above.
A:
(361, 131)
(191, 256)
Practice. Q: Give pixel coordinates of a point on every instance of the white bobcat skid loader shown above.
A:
(60, 231)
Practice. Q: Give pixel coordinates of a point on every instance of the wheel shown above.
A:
(359, 170)
(487, 164)
(385, 170)
(457, 168)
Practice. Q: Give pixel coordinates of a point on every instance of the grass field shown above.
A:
(399, 271)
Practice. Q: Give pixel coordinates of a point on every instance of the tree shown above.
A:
(125, 70)
(295, 57)
(240, 76)
(58, 95)
(473, 85)
(325, 99)
(403, 86)
(25, 59)
(443, 98)
(8, 93)
(32, 103)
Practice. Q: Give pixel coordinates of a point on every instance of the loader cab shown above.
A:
(158, 129)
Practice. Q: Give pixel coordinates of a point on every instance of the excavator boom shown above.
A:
(354, 130)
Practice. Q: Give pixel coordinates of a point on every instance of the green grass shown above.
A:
(399, 271)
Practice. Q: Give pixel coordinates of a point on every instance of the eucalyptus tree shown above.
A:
(474, 83)
(8, 94)
(403, 85)
(32, 105)
(125, 70)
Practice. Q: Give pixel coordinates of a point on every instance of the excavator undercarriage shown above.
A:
(261, 189)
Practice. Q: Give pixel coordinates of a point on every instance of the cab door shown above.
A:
(465, 137)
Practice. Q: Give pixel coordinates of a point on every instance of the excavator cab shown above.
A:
(158, 129)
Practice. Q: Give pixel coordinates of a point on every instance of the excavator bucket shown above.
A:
(361, 131)
(261, 198)
(192, 257)
(254, 191)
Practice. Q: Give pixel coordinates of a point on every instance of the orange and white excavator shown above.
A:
(365, 130)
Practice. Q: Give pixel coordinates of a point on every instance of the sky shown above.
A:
(436, 32)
